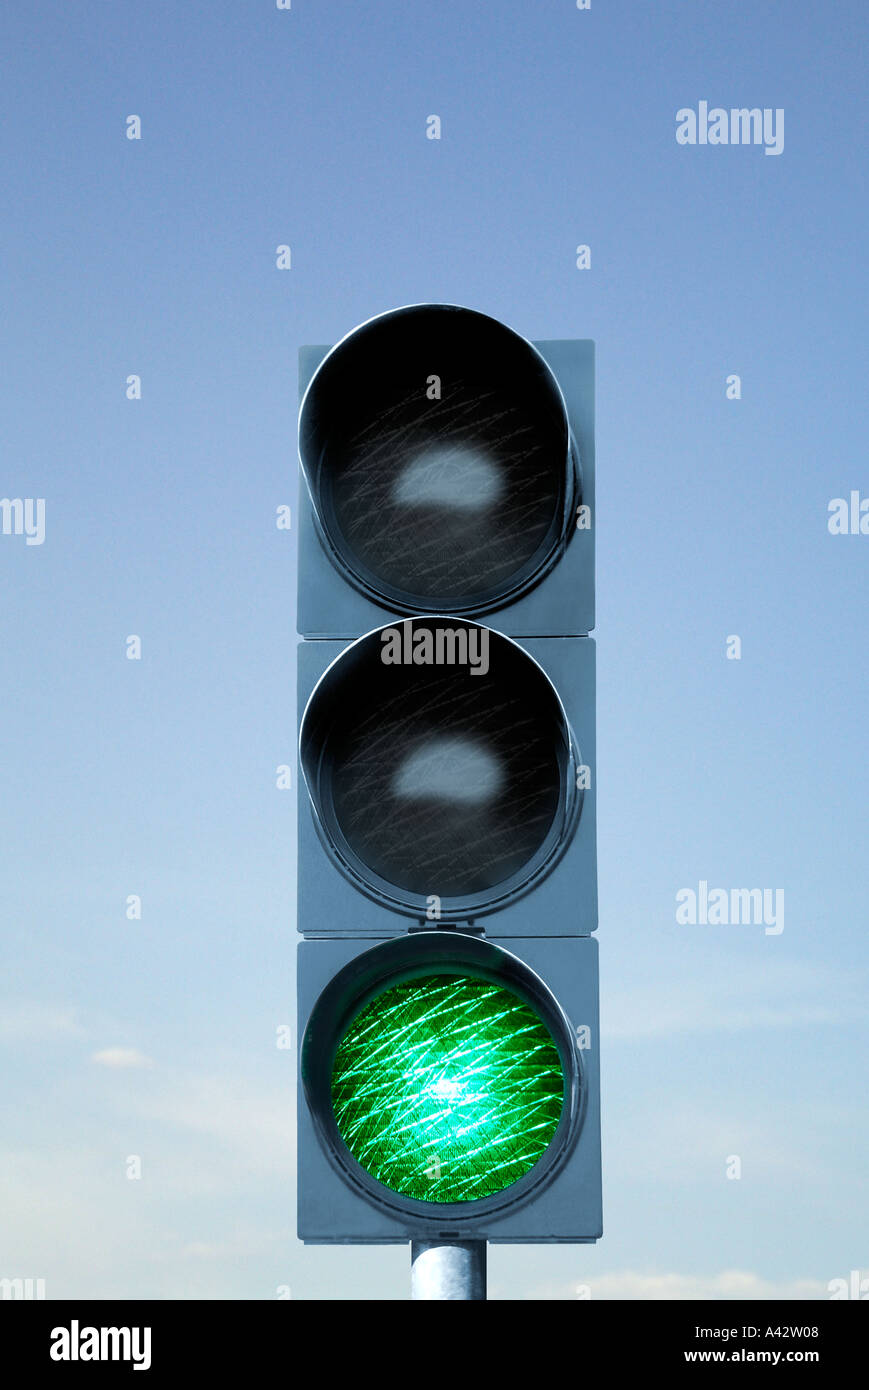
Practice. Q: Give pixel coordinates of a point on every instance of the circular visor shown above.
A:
(437, 450)
(440, 762)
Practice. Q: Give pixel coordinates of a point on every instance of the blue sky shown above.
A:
(156, 777)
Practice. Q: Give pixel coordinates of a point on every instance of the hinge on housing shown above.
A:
(466, 928)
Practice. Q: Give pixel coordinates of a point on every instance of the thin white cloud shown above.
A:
(734, 999)
(121, 1057)
(729, 1283)
(642, 1018)
(689, 1144)
(251, 1122)
(210, 1213)
(29, 1021)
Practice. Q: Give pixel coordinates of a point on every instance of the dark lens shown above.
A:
(440, 781)
(446, 492)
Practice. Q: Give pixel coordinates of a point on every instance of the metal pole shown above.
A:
(448, 1269)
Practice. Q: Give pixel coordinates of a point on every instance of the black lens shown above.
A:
(440, 779)
(438, 452)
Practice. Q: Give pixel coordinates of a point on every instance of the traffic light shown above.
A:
(447, 976)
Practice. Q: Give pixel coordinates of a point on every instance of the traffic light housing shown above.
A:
(343, 1200)
(447, 979)
(426, 782)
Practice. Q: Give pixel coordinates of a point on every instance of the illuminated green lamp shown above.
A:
(447, 1088)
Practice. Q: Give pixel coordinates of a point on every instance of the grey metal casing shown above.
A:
(567, 1210)
(561, 605)
(564, 903)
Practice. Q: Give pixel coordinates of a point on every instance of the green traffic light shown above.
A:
(447, 1088)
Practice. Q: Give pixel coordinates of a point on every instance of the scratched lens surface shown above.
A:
(449, 499)
(447, 783)
(447, 1088)
(437, 444)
